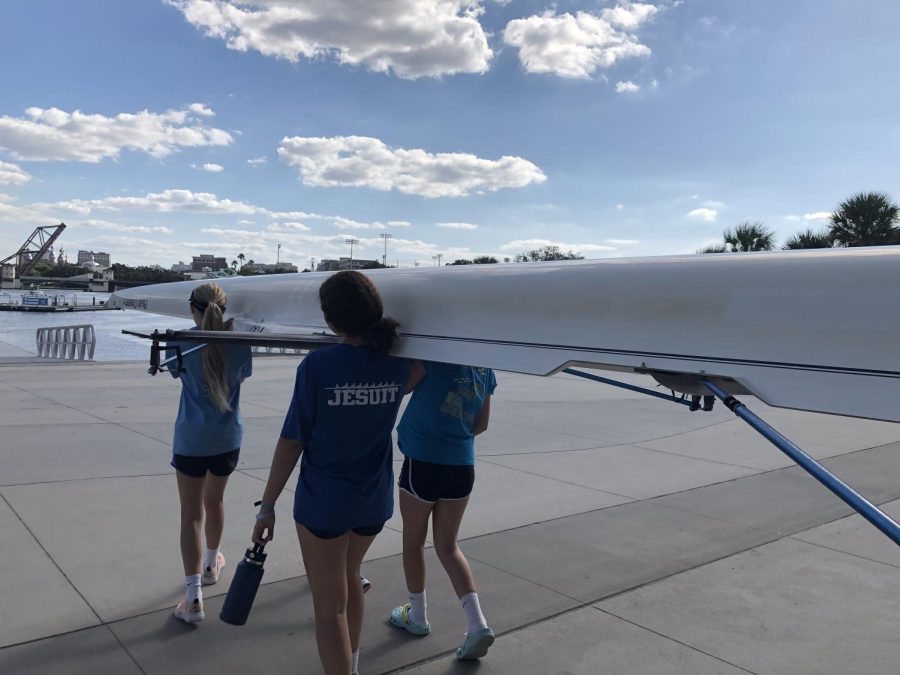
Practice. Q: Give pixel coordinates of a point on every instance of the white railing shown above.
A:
(74, 343)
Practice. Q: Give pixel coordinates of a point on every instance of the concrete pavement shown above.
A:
(609, 533)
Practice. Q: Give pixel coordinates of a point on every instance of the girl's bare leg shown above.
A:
(415, 514)
(214, 505)
(448, 514)
(356, 603)
(190, 494)
(326, 570)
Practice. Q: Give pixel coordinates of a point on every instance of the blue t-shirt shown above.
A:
(344, 407)
(437, 424)
(201, 429)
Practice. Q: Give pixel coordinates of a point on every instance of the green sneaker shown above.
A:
(400, 618)
(476, 645)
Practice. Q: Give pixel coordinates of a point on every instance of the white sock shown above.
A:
(209, 559)
(418, 612)
(355, 668)
(192, 584)
(472, 608)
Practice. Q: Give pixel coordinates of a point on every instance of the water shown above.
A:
(18, 328)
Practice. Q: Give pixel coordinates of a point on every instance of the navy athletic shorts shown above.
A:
(432, 482)
(367, 531)
(217, 465)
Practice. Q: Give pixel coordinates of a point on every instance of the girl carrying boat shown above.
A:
(208, 434)
(343, 409)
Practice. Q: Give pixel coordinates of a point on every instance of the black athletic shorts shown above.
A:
(367, 531)
(217, 465)
(431, 482)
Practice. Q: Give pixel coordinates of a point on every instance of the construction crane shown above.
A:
(34, 248)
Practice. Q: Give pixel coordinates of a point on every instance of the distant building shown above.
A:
(210, 261)
(181, 267)
(98, 257)
(270, 268)
(328, 265)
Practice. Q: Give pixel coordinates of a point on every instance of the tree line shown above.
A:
(865, 219)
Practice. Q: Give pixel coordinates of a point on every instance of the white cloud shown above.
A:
(243, 221)
(359, 161)
(622, 242)
(209, 167)
(13, 174)
(629, 15)
(201, 109)
(410, 38)
(458, 226)
(792, 218)
(619, 207)
(576, 45)
(706, 215)
(339, 222)
(288, 227)
(31, 214)
(627, 87)
(56, 135)
(165, 201)
(116, 227)
(520, 245)
(818, 215)
(257, 161)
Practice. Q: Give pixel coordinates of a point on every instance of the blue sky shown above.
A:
(161, 129)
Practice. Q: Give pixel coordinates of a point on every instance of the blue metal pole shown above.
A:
(857, 502)
(623, 385)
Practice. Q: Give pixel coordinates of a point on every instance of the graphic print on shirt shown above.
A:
(466, 391)
(363, 394)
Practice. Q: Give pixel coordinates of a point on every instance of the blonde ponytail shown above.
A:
(210, 298)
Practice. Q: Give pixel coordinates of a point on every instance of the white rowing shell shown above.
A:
(812, 330)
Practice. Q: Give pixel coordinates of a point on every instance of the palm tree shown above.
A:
(866, 219)
(749, 236)
(809, 239)
(241, 258)
(234, 265)
(714, 248)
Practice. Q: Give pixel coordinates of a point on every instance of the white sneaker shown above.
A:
(210, 575)
(190, 612)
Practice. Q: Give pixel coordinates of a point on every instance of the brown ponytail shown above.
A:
(210, 299)
(351, 303)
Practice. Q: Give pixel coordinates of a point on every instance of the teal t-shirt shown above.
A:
(201, 429)
(437, 424)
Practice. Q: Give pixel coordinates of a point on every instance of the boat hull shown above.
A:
(810, 330)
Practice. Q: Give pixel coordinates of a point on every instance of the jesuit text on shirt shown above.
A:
(364, 394)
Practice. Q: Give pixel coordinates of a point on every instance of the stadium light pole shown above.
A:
(351, 241)
(437, 258)
(385, 236)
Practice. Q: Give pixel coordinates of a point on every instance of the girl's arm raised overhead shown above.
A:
(416, 373)
(482, 418)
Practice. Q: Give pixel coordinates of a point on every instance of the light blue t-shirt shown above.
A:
(201, 429)
(437, 424)
(344, 407)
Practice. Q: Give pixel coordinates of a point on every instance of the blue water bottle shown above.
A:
(242, 592)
